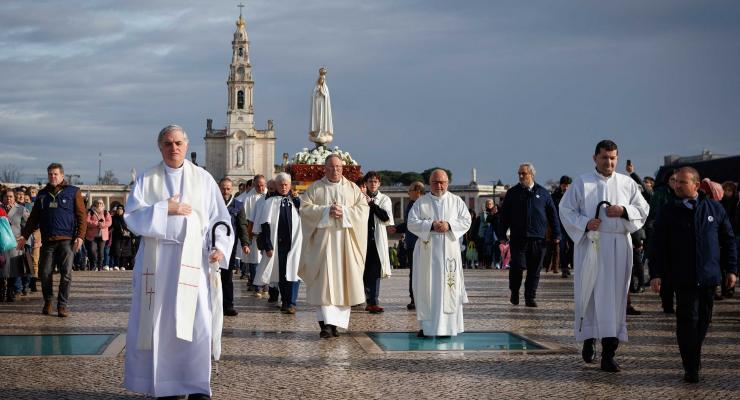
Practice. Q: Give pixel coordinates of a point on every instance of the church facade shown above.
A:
(240, 151)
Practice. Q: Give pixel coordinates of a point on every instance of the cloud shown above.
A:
(414, 83)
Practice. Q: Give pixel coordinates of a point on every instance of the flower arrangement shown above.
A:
(318, 155)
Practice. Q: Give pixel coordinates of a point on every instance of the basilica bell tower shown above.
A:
(240, 151)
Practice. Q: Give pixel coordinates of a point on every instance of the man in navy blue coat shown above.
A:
(693, 244)
(527, 209)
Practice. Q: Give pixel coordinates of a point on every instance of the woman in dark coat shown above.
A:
(122, 244)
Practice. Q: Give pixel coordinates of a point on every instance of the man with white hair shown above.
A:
(334, 216)
(280, 237)
(527, 210)
(439, 219)
(173, 206)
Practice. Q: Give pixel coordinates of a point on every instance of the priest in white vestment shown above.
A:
(439, 219)
(278, 227)
(173, 206)
(334, 217)
(605, 316)
(249, 199)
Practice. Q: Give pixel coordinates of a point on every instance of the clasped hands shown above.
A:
(440, 226)
(611, 211)
(335, 211)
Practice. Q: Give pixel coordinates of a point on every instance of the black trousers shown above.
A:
(693, 315)
(411, 274)
(666, 294)
(227, 282)
(526, 255)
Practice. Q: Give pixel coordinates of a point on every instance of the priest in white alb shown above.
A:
(280, 238)
(334, 217)
(439, 219)
(173, 206)
(253, 256)
(604, 315)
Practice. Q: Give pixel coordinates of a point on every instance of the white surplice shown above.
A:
(438, 283)
(605, 316)
(172, 366)
(381, 234)
(268, 269)
(249, 199)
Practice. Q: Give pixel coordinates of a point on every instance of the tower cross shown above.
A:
(240, 8)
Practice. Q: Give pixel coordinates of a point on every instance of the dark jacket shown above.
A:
(238, 222)
(527, 213)
(410, 238)
(692, 247)
(59, 212)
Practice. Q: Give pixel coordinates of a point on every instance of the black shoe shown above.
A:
(198, 396)
(608, 364)
(230, 312)
(588, 352)
(420, 334)
(325, 330)
(633, 311)
(411, 306)
(530, 303)
(691, 377)
(514, 299)
(334, 331)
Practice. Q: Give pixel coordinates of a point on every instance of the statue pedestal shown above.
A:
(303, 175)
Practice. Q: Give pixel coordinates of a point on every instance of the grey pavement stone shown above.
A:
(272, 355)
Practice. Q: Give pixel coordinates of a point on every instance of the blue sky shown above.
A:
(414, 84)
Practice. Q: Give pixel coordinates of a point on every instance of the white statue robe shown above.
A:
(381, 234)
(172, 366)
(333, 253)
(268, 269)
(605, 316)
(321, 121)
(249, 199)
(438, 282)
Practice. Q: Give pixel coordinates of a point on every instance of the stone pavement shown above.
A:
(270, 355)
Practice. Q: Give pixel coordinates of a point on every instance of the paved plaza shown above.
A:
(273, 356)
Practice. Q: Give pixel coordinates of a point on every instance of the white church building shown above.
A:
(240, 151)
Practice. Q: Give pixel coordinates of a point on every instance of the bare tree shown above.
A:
(10, 173)
(109, 178)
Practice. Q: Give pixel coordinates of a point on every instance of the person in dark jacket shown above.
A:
(416, 190)
(239, 227)
(121, 248)
(527, 210)
(693, 245)
(59, 212)
(663, 195)
(566, 243)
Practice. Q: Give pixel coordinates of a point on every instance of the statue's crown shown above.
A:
(323, 71)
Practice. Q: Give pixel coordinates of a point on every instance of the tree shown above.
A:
(10, 173)
(388, 178)
(408, 178)
(428, 172)
(109, 178)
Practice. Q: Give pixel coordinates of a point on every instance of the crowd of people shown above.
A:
(334, 239)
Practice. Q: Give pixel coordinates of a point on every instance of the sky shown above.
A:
(414, 84)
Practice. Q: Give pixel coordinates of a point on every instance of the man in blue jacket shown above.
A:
(416, 190)
(527, 209)
(693, 244)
